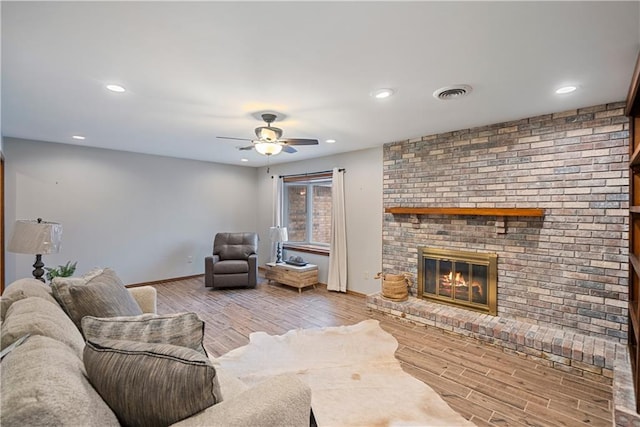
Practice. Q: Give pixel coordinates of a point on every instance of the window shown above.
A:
(307, 209)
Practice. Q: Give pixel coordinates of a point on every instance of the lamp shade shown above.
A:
(278, 234)
(35, 237)
(268, 148)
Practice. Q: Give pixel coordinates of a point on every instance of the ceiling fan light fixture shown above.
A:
(268, 148)
(268, 133)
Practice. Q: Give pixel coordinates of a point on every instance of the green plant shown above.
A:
(61, 271)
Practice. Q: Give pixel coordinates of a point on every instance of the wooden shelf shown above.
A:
(633, 335)
(634, 160)
(633, 309)
(467, 211)
(634, 261)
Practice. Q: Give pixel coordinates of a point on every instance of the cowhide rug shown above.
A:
(354, 377)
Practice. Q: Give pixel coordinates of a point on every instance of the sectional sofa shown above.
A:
(114, 361)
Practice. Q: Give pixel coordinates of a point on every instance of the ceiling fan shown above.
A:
(270, 141)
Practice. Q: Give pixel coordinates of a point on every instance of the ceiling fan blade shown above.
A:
(299, 141)
(289, 149)
(231, 137)
(248, 147)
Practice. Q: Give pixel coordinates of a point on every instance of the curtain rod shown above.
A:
(309, 173)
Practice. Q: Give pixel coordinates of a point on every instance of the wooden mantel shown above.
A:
(535, 212)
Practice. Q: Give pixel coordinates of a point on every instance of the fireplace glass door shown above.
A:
(465, 279)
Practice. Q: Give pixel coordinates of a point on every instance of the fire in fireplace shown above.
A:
(467, 279)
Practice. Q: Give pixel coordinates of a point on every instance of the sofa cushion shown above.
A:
(44, 384)
(21, 289)
(182, 329)
(281, 400)
(151, 384)
(100, 294)
(38, 316)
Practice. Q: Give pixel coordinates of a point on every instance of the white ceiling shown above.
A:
(199, 70)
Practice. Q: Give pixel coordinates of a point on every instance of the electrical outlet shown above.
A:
(189, 259)
(366, 275)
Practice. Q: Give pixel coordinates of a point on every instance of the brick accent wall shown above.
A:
(321, 214)
(297, 210)
(297, 214)
(568, 269)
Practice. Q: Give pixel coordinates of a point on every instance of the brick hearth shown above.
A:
(594, 358)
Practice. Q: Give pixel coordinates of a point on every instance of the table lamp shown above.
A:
(36, 238)
(278, 235)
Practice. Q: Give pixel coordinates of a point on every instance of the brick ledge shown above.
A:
(593, 358)
(590, 357)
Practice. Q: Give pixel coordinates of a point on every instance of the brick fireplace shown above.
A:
(567, 269)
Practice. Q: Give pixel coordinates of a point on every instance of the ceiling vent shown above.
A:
(452, 92)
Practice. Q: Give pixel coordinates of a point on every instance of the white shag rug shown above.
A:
(354, 376)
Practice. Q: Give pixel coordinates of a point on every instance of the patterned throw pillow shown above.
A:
(148, 384)
(99, 294)
(182, 329)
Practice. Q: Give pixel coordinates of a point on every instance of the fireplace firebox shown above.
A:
(465, 279)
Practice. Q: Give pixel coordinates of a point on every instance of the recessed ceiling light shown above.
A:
(116, 88)
(79, 137)
(244, 160)
(382, 93)
(330, 141)
(566, 89)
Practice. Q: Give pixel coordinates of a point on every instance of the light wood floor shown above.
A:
(481, 382)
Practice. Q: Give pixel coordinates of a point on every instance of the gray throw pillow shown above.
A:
(100, 294)
(148, 384)
(182, 329)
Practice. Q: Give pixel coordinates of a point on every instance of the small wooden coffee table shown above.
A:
(292, 275)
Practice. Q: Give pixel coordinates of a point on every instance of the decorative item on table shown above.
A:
(298, 261)
(395, 286)
(278, 235)
(61, 271)
(36, 238)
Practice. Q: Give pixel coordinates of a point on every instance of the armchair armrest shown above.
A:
(208, 269)
(279, 401)
(253, 270)
(146, 297)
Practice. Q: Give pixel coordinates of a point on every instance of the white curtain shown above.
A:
(337, 279)
(276, 214)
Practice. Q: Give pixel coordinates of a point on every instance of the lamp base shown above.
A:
(278, 254)
(38, 271)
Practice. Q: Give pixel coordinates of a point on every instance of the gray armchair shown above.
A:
(234, 263)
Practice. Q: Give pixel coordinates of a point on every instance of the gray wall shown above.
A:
(142, 215)
(145, 215)
(363, 200)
